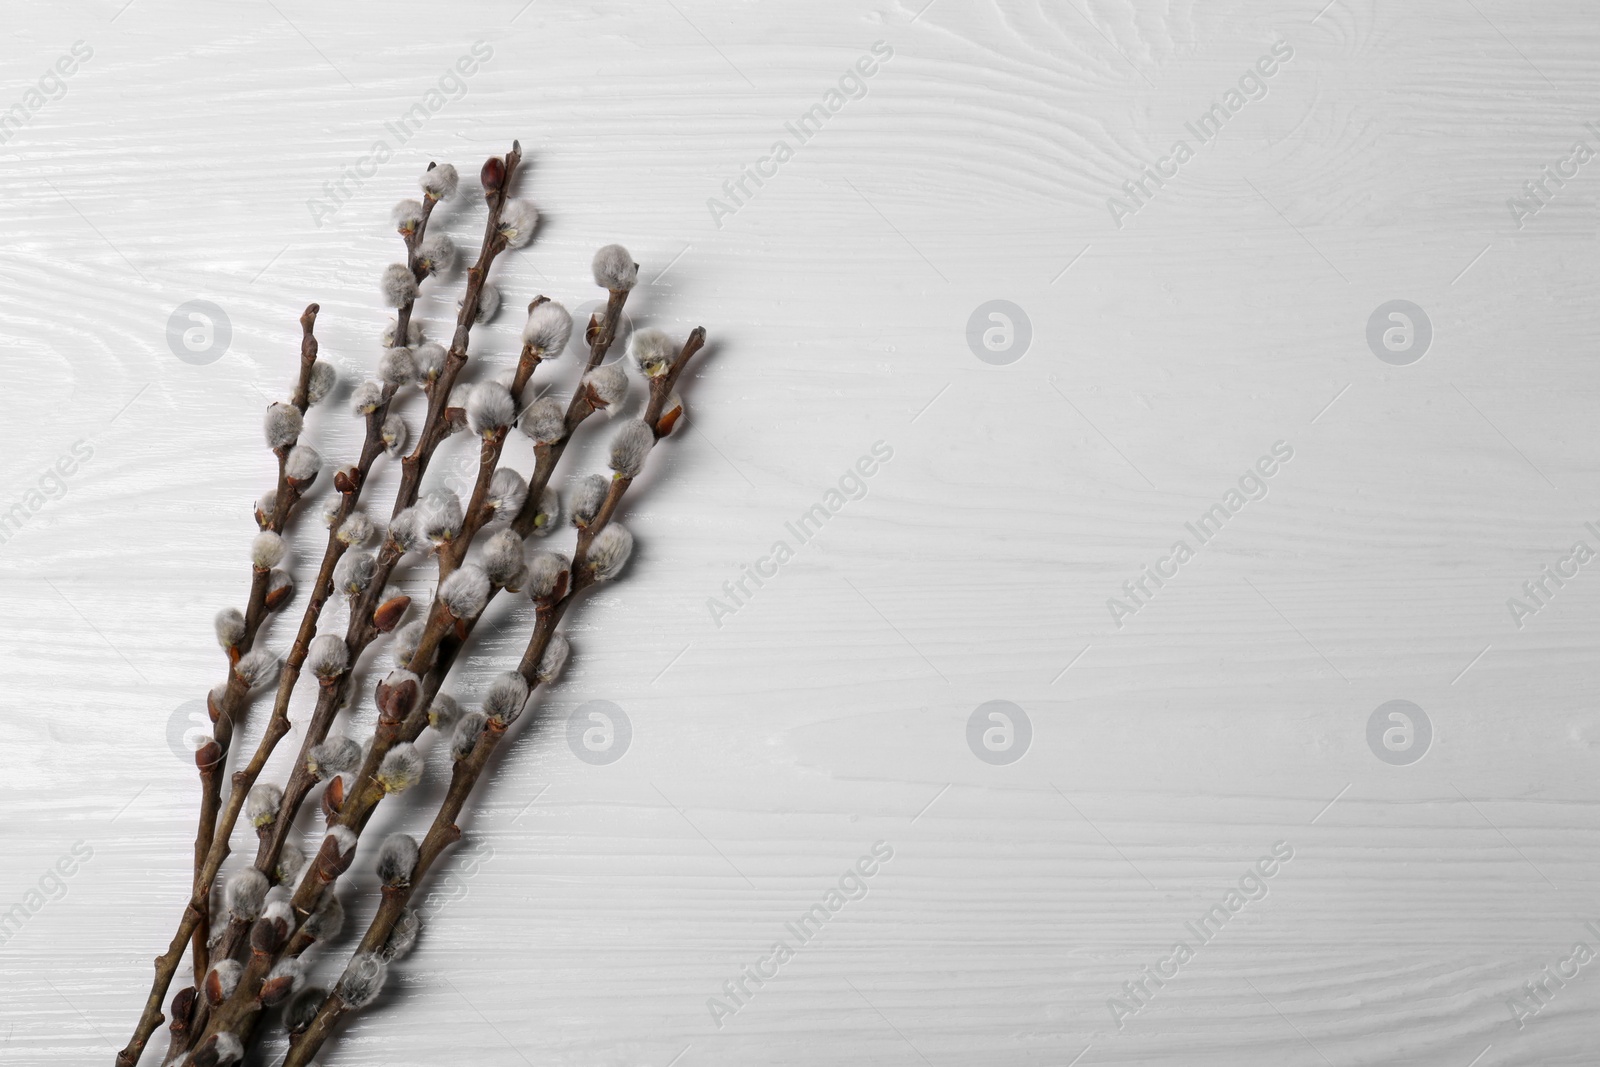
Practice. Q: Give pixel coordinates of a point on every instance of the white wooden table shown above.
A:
(1154, 348)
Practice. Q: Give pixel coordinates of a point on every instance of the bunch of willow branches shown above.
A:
(250, 948)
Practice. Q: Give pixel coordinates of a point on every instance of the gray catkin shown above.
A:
(398, 285)
(323, 378)
(397, 858)
(652, 351)
(230, 627)
(610, 551)
(394, 433)
(503, 561)
(334, 755)
(405, 529)
(439, 183)
(326, 922)
(615, 269)
(437, 253)
(262, 804)
(281, 425)
(327, 656)
(629, 448)
(406, 640)
(303, 1008)
(430, 360)
(266, 551)
(414, 336)
(548, 329)
(354, 572)
(363, 980)
(440, 516)
(401, 768)
(443, 712)
(303, 463)
(465, 591)
(554, 658)
(291, 861)
(246, 894)
(508, 491)
(257, 667)
(397, 366)
(607, 385)
(505, 697)
(490, 408)
(366, 398)
(548, 514)
(587, 496)
(545, 421)
(544, 570)
(465, 736)
(406, 215)
(518, 219)
(356, 530)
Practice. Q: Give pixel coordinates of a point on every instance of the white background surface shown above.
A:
(592, 911)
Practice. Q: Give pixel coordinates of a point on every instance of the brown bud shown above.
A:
(300, 485)
(388, 614)
(667, 421)
(208, 755)
(280, 596)
(455, 420)
(492, 176)
(395, 701)
(332, 799)
(214, 994)
(592, 332)
(347, 479)
(276, 990)
(330, 864)
(266, 935)
(183, 1008)
(207, 1055)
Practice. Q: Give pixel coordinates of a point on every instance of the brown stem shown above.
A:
(443, 832)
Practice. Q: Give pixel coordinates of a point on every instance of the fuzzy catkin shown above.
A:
(397, 366)
(336, 754)
(266, 551)
(362, 981)
(439, 183)
(403, 935)
(277, 581)
(291, 861)
(548, 513)
(303, 1008)
(587, 497)
(397, 858)
(406, 215)
(544, 570)
(465, 592)
(652, 352)
(505, 697)
(609, 552)
(430, 361)
(230, 627)
(503, 561)
(406, 640)
(629, 448)
(303, 463)
(490, 408)
(508, 491)
(326, 922)
(436, 254)
(440, 516)
(367, 398)
(615, 269)
(354, 572)
(398, 285)
(356, 530)
(554, 658)
(262, 803)
(443, 712)
(246, 894)
(414, 334)
(488, 302)
(465, 736)
(394, 433)
(256, 667)
(327, 656)
(548, 329)
(401, 768)
(518, 218)
(607, 385)
(545, 421)
(323, 379)
(282, 425)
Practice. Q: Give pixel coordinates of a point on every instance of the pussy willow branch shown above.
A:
(235, 700)
(196, 913)
(237, 1013)
(244, 1011)
(444, 832)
